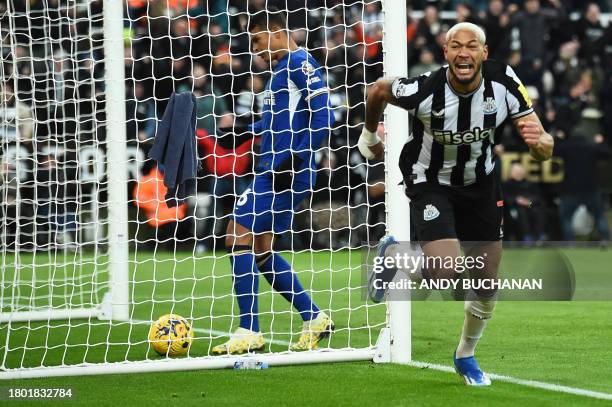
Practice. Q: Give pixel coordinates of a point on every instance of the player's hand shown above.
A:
(282, 177)
(530, 132)
(370, 145)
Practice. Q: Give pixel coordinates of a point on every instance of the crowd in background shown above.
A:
(566, 65)
(560, 49)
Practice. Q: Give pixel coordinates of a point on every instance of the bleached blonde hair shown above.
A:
(479, 32)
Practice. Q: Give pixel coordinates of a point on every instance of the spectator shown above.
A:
(65, 95)
(590, 32)
(465, 14)
(150, 196)
(476, 5)
(248, 100)
(136, 9)
(15, 116)
(581, 182)
(583, 94)
(56, 198)
(535, 25)
(606, 96)
(8, 203)
(211, 108)
(566, 68)
(140, 115)
(497, 27)
(185, 46)
(524, 218)
(427, 32)
(181, 7)
(229, 173)
(331, 216)
(426, 63)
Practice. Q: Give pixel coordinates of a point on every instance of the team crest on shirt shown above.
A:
(489, 106)
(307, 68)
(430, 212)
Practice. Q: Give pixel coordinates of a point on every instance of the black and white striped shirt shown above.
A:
(452, 134)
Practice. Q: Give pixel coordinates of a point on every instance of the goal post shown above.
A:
(96, 76)
(118, 239)
(114, 303)
(396, 128)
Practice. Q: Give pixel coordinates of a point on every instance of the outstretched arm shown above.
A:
(540, 143)
(379, 95)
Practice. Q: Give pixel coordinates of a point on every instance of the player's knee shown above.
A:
(481, 308)
(262, 258)
(263, 243)
(237, 249)
(485, 293)
(438, 270)
(442, 273)
(237, 235)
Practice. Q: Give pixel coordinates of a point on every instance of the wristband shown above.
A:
(370, 137)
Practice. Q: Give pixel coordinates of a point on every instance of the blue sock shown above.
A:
(280, 276)
(246, 286)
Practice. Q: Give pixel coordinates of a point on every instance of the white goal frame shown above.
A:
(394, 341)
(115, 303)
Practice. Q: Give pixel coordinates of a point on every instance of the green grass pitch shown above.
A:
(566, 343)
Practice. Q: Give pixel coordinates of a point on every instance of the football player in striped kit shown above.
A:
(448, 163)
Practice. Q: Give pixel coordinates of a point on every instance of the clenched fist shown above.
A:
(531, 132)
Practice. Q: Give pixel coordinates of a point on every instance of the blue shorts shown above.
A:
(260, 209)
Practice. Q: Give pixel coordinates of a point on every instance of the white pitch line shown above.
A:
(215, 332)
(529, 383)
(425, 365)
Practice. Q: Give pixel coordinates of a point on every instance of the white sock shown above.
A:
(472, 331)
(477, 313)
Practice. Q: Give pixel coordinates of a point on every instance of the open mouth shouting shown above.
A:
(465, 72)
(464, 69)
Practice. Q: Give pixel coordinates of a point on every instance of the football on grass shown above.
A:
(171, 335)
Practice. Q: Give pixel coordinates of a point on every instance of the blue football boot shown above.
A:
(469, 370)
(377, 282)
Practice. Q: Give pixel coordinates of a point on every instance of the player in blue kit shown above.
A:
(296, 119)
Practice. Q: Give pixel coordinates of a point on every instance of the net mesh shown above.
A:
(54, 182)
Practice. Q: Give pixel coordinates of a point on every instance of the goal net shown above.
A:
(91, 252)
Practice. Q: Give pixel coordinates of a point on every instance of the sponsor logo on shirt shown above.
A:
(312, 80)
(466, 137)
(438, 113)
